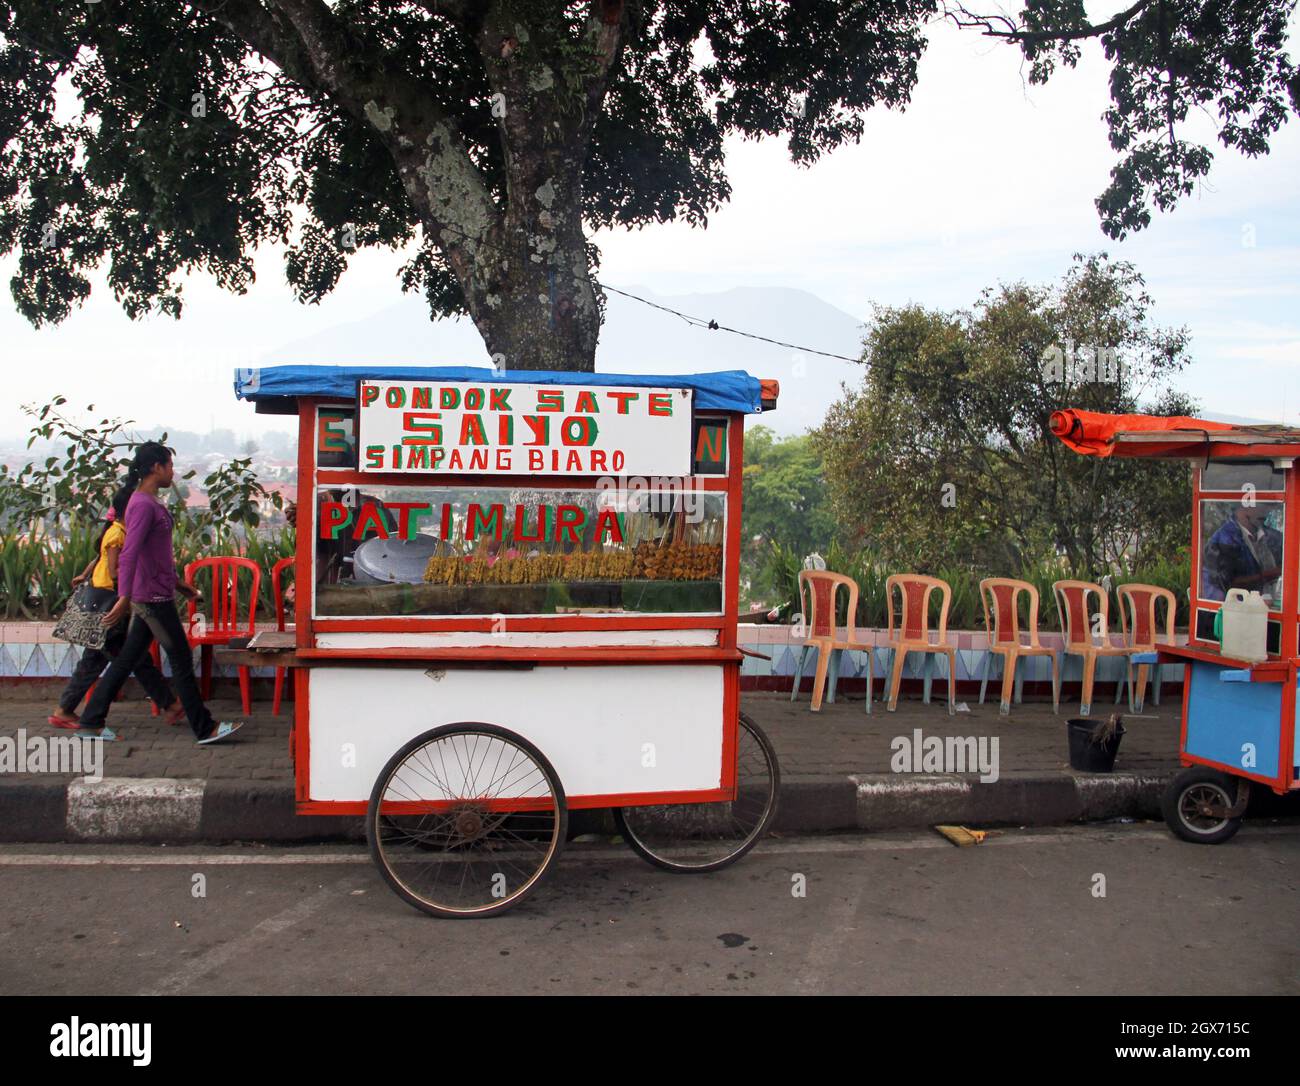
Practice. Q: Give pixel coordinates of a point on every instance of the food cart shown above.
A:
(1238, 719)
(516, 596)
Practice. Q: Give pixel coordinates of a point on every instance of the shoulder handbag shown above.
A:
(82, 620)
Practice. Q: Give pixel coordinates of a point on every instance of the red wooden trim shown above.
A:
(1269, 671)
(1233, 770)
(1187, 699)
(730, 728)
(732, 524)
(1290, 568)
(1286, 614)
(471, 624)
(1286, 748)
(618, 799)
(304, 592)
(596, 654)
(347, 477)
(301, 734)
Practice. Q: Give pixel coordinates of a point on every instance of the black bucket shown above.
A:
(1087, 756)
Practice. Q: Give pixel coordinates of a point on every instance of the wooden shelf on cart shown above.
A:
(1276, 670)
(272, 654)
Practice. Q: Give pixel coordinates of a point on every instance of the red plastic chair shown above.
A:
(1140, 629)
(1087, 632)
(912, 632)
(277, 590)
(817, 592)
(225, 622)
(1001, 596)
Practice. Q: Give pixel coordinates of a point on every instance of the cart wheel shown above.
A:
(1194, 802)
(466, 820)
(687, 838)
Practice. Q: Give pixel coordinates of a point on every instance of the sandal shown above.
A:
(175, 716)
(64, 722)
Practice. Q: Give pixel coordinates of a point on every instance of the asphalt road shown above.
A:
(882, 914)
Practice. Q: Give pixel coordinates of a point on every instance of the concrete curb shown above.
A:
(33, 809)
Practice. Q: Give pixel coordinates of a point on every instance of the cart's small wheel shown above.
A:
(466, 820)
(688, 838)
(1194, 805)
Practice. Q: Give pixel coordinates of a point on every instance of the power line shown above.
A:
(712, 325)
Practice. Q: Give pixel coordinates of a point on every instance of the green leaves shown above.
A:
(944, 457)
(1227, 60)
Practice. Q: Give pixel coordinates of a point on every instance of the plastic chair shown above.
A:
(277, 590)
(818, 590)
(224, 623)
(913, 633)
(1137, 623)
(1072, 605)
(1001, 599)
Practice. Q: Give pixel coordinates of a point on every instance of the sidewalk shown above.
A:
(835, 767)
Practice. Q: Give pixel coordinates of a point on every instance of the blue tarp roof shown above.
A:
(729, 390)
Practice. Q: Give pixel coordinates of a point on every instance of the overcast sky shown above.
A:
(983, 179)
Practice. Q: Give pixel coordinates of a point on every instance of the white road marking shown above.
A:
(828, 944)
(347, 854)
(215, 958)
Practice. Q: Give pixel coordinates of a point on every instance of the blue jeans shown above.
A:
(93, 661)
(149, 621)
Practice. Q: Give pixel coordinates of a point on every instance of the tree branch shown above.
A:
(606, 32)
(958, 14)
(308, 42)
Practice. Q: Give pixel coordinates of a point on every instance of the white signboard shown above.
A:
(430, 428)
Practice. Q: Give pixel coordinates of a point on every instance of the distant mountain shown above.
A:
(637, 338)
(1236, 420)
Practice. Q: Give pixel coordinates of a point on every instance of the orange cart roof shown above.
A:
(1094, 433)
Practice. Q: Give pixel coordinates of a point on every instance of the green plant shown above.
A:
(20, 557)
(266, 551)
(61, 559)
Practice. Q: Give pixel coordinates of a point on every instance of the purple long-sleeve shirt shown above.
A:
(146, 568)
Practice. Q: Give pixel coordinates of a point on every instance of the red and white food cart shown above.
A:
(516, 596)
(1239, 721)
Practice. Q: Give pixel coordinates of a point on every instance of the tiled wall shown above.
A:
(30, 650)
(779, 643)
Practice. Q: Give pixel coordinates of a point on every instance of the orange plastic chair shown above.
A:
(225, 622)
(818, 590)
(277, 590)
(1001, 599)
(913, 633)
(1080, 639)
(1137, 622)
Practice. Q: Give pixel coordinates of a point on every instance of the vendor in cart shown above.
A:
(1245, 552)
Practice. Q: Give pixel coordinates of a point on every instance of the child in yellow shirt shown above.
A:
(102, 572)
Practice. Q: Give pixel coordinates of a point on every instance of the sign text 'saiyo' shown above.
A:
(514, 429)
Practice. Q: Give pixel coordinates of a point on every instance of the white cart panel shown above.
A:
(608, 730)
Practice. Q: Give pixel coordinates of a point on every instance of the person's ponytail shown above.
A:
(147, 457)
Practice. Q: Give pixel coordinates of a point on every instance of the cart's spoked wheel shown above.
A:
(696, 837)
(1195, 806)
(466, 820)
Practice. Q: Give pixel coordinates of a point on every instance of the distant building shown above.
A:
(288, 493)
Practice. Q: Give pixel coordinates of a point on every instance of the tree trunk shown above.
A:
(523, 268)
(530, 290)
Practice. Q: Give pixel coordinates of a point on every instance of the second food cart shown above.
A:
(1238, 718)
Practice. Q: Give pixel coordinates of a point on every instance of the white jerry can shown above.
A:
(1245, 626)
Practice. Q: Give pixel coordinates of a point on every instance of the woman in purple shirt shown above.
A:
(147, 584)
